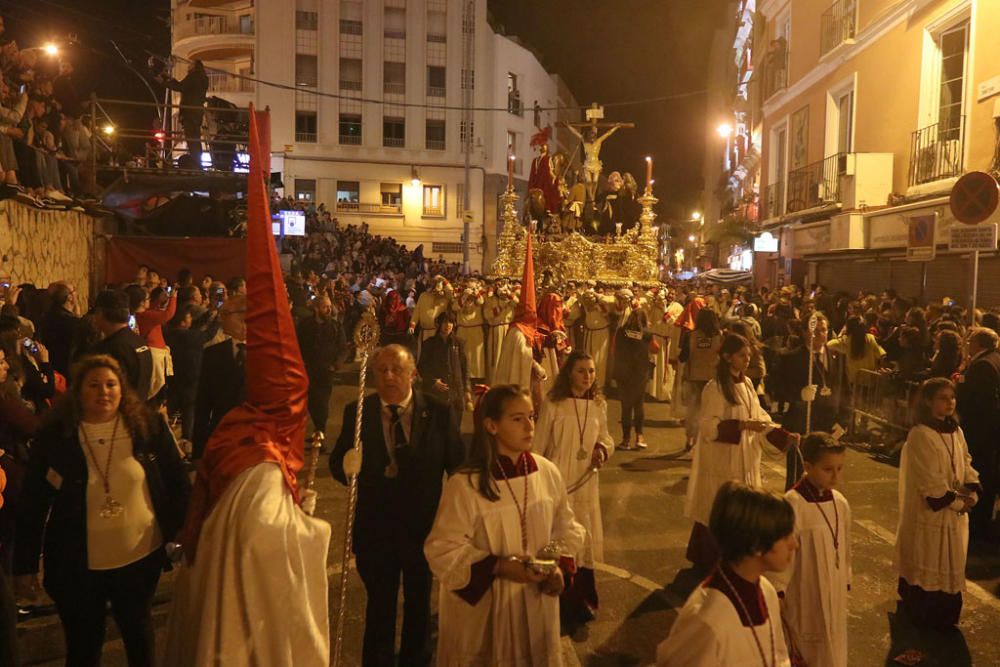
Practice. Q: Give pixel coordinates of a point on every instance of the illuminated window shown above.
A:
(433, 200)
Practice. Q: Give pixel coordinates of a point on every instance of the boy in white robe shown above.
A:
(814, 589)
(937, 488)
(733, 618)
(500, 517)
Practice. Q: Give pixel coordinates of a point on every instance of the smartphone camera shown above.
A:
(30, 345)
(132, 323)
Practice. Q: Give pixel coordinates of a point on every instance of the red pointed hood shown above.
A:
(270, 425)
(526, 312)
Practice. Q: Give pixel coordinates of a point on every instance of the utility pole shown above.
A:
(468, 77)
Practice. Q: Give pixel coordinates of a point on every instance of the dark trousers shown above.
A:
(182, 398)
(191, 124)
(81, 605)
(984, 460)
(319, 400)
(633, 398)
(8, 623)
(380, 571)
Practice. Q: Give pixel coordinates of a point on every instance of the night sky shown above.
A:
(607, 52)
(628, 50)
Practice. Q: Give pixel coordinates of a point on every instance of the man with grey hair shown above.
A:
(408, 443)
(979, 408)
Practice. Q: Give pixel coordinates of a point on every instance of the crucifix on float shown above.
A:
(588, 133)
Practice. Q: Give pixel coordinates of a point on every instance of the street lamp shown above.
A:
(108, 130)
(414, 177)
(696, 216)
(725, 130)
(51, 49)
(691, 238)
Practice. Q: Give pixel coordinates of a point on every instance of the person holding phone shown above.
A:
(732, 431)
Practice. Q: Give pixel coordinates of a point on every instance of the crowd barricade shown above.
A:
(881, 411)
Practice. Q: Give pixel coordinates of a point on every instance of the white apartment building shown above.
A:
(369, 114)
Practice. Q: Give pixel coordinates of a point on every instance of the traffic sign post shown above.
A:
(974, 199)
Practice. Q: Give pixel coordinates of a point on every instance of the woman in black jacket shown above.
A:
(632, 370)
(106, 487)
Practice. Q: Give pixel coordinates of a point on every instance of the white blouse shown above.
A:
(114, 542)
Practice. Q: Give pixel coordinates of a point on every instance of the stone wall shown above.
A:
(41, 246)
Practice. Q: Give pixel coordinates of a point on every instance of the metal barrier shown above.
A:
(881, 411)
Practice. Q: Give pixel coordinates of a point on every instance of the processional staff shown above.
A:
(366, 336)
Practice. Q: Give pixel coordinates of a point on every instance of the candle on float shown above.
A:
(649, 173)
(534, 226)
(618, 228)
(510, 173)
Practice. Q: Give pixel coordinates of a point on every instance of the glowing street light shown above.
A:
(725, 130)
(108, 130)
(696, 215)
(414, 177)
(51, 49)
(691, 238)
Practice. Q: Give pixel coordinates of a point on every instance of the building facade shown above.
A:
(370, 114)
(854, 118)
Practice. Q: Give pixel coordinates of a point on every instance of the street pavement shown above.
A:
(645, 579)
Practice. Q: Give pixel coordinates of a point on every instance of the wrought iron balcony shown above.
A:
(774, 200)
(775, 70)
(350, 139)
(392, 88)
(393, 142)
(837, 25)
(363, 207)
(815, 184)
(936, 151)
(350, 85)
(435, 144)
(436, 91)
(514, 104)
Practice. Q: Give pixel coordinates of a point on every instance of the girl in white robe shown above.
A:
(572, 432)
(937, 488)
(815, 586)
(498, 518)
(733, 618)
(732, 431)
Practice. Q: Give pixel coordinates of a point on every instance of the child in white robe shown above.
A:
(733, 429)
(937, 488)
(572, 432)
(733, 618)
(814, 589)
(499, 520)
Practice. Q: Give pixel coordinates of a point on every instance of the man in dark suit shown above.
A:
(324, 347)
(129, 349)
(825, 393)
(443, 368)
(222, 380)
(979, 409)
(409, 443)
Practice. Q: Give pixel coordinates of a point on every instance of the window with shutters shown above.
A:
(435, 136)
(393, 132)
(350, 129)
(350, 17)
(350, 73)
(466, 132)
(305, 189)
(460, 199)
(306, 70)
(436, 78)
(306, 20)
(305, 126)
(392, 196)
(437, 26)
(395, 23)
(433, 200)
(394, 78)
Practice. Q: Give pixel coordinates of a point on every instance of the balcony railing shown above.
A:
(395, 34)
(774, 201)
(514, 104)
(393, 142)
(350, 85)
(219, 82)
(435, 144)
(437, 39)
(350, 27)
(775, 70)
(436, 91)
(306, 137)
(394, 88)
(815, 184)
(936, 152)
(213, 25)
(362, 207)
(837, 25)
(350, 140)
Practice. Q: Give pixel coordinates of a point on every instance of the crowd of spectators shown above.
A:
(44, 145)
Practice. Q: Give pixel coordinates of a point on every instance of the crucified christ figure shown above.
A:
(592, 142)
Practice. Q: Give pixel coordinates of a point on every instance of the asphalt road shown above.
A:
(645, 579)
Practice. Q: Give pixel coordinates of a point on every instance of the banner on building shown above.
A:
(920, 246)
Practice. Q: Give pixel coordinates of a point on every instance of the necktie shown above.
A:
(396, 428)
